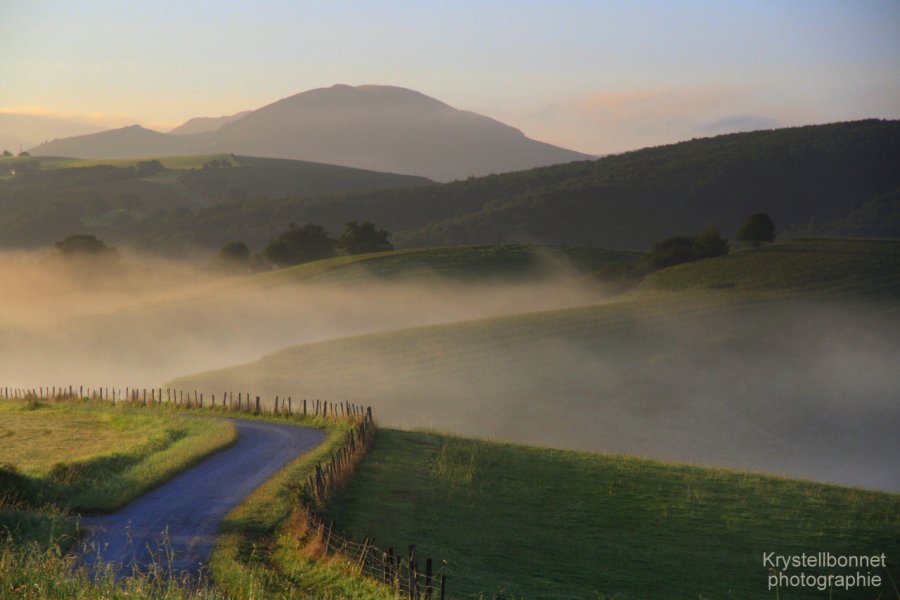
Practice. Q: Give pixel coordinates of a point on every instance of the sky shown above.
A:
(595, 76)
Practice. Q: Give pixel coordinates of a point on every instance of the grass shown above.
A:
(839, 267)
(87, 456)
(258, 555)
(527, 522)
(753, 328)
(494, 262)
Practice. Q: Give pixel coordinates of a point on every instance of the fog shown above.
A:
(803, 389)
(143, 320)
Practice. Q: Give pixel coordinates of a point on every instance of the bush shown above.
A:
(681, 249)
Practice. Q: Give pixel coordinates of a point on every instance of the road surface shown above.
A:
(176, 524)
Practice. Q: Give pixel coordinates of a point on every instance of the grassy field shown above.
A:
(693, 373)
(527, 522)
(92, 457)
(460, 263)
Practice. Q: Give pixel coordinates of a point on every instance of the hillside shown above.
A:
(496, 263)
(524, 522)
(122, 200)
(381, 128)
(625, 201)
(689, 374)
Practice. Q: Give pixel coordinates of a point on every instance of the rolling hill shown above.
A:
(776, 360)
(819, 173)
(381, 128)
(50, 198)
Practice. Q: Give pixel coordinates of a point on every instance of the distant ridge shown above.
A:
(206, 124)
(376, 127)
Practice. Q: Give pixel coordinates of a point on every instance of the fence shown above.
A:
(244, 402)
(401, 572)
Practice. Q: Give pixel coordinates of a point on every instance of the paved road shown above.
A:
(191, 506)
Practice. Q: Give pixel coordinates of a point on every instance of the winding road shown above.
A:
(176, 524)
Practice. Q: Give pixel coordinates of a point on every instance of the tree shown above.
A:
(84, 245)
(234, 256)
(146, 168)
(358, 239)
(681, 249)
(756, 229)
(7, 153)
(299, 245)
(670, 251)
(709, 243)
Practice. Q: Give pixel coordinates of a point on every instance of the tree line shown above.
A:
(297, 245)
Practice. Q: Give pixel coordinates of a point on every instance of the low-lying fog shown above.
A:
(142, 321)
(808, 391)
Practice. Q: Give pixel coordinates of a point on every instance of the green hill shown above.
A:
(524, 522)
(139, 201)
(496, 263)
(806, 178)
(821, 173)
(781, 359)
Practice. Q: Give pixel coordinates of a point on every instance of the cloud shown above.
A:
(616, 120)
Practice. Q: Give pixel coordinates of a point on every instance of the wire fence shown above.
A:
(241, 402)
(401, 572)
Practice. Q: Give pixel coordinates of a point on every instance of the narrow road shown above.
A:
(176, 524)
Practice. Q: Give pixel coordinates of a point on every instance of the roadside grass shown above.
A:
(258, 555)
(261, 554)
(34, 571)
(527, 522)
(88, 456)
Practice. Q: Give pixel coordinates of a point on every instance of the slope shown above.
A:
(51, 197)
(804, 331)
(524, 522)
(625, 201)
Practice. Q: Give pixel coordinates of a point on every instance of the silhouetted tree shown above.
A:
(756, 229)
(681, 249)
(234, 256)
(709, 243)
(358, 239)
(670, 251)
(300, 244)
(146, 168)
(7, 153)
(84, 245)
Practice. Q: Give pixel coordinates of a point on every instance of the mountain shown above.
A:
(387, 129)
(381, 128)
(133, 141)
(27, 130)
(206, 124)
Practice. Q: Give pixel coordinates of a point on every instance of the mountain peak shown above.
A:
(377, 127)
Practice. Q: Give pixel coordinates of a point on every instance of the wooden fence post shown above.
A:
(413, 578)
(428, 587)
